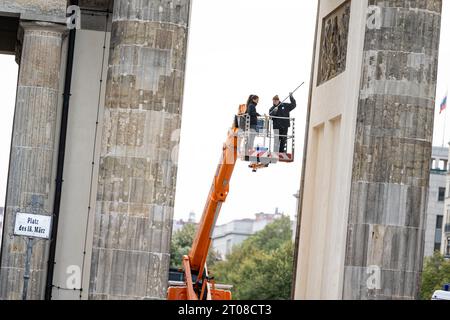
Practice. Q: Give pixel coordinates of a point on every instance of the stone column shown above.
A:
(31, 169)
(393, 143)
(370, 130)
(137, 176)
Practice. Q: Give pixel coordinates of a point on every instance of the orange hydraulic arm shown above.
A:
(217, 196)
(194, 264)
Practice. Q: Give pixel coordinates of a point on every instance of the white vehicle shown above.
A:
(441, 295)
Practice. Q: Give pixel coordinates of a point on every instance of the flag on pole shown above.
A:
(444, 104)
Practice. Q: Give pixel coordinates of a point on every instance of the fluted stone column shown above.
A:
(137, 176)
(366, 168)
(31, 171)
(394, 133)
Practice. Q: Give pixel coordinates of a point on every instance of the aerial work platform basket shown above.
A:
(260, 145)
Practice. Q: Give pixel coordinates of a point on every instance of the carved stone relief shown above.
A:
(333, 49)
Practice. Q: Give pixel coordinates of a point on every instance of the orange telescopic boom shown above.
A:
(217, 195)
(198, 285)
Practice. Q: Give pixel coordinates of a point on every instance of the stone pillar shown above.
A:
(371, 129)
(31, 170)
(391, 162)
(137, 176)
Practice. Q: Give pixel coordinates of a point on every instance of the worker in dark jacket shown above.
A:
(251, 110)
(281, 121)
(252, 102)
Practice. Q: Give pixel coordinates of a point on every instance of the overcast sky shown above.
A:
(236, 48)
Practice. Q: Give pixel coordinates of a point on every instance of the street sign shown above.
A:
(32, 225)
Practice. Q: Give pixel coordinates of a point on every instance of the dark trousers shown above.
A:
(282, 132)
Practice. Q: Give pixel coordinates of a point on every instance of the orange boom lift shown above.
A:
(197, 284)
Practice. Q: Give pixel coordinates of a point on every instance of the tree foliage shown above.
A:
(261, 267)
(436, 273)
(182, 243)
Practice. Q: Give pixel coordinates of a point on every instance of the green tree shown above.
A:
(272, 236)
(261, 267)
(181, 245)
(436, 273)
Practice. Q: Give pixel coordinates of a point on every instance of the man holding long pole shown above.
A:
(281, 121)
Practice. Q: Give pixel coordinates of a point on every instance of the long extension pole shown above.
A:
(292, 93)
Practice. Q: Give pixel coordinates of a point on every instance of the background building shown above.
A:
(445, 245)
(228, 235)
(436, 199)
(446, 237)
(179, 224)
